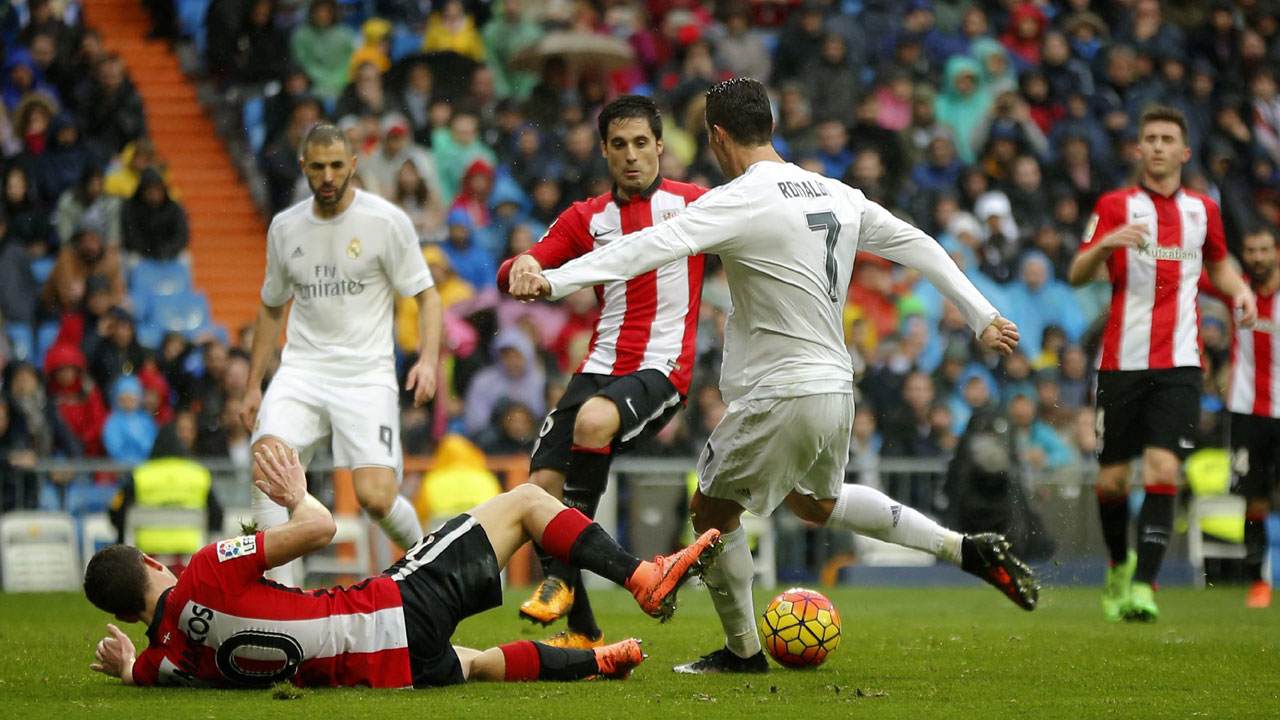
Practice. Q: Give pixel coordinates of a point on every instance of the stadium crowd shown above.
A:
(992, 125)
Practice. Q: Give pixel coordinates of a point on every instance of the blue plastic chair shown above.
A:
(255, 127)
(185, 312)
(160, 278)
(46, 334)
(404, 42)
(41, 268)
(23, 338)
(191, 17)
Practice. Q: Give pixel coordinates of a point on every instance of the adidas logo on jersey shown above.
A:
(297, 253)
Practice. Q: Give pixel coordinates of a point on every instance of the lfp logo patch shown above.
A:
(237, 547)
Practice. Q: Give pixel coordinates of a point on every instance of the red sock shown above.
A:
(522, 659)
(563, 530)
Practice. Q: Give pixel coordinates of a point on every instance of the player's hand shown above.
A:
(523, 265)
(422, 381)
(1133, 235)
(283, 478)
(249, 407)
(530, 286)
(115, 654)
(1246, 307)
(1001, 335)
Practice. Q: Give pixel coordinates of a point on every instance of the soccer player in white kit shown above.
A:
(340, 255)
(787, 238)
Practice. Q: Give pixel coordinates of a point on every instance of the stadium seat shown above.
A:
(1215, 528)
(96, 532)
(255, 126)
(184, 312)
(38, 552)
(352, 529)
(159, 278)
(41, 269)
(23, 338)
(191, 16)
(46, 335)
(404, 42)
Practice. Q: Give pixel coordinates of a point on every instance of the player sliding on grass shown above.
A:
(222, 624)
(787, 238)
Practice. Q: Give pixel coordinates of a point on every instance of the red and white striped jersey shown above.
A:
(651, 321)
(1255, 374)
(224, 625)
(1154, 320)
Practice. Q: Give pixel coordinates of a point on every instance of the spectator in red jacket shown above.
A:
(77, 398)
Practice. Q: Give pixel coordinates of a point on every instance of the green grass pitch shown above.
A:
(962, 652)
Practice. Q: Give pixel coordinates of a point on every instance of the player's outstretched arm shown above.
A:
(310, 525)
(115, 655)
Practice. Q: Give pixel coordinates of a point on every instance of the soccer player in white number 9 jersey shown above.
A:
(340, 256)
(788, 238)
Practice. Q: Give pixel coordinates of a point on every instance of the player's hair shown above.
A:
(626, 107)
(116, 580)
(1261, 229)
(324, 134)
(741, 106)
(1164, 113)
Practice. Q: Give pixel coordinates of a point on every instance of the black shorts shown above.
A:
(1255, 455)
(1138, 409)
(449, 575)
(646, 401)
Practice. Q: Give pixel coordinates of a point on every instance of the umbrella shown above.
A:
(580, 50)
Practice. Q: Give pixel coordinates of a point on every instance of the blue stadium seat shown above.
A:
(404, 42)
(46, 334)
(160, 278)
(255, 127)
(41, 267)
(185, 312)
(23, 338)
(191, 15)
(149, 335)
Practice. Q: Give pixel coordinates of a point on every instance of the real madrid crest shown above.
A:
(353, 249)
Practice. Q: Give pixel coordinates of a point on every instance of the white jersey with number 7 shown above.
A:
(787, 238)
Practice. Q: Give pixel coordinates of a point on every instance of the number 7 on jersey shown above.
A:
(827, 222)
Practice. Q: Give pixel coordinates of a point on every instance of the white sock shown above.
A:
(729, 581)
(869, 512)
(267, 514)
(401, 524)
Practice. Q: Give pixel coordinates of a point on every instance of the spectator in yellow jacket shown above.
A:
(459, 479)
(452, 29)
(376, 34)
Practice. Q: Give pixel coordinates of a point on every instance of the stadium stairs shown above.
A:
(227, 234)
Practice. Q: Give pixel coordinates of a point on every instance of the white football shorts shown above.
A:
(304, 411)
(765, 448)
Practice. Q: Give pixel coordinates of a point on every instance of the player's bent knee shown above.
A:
(487, 666)
(596, 423)
(376, 490)
(810, 509)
